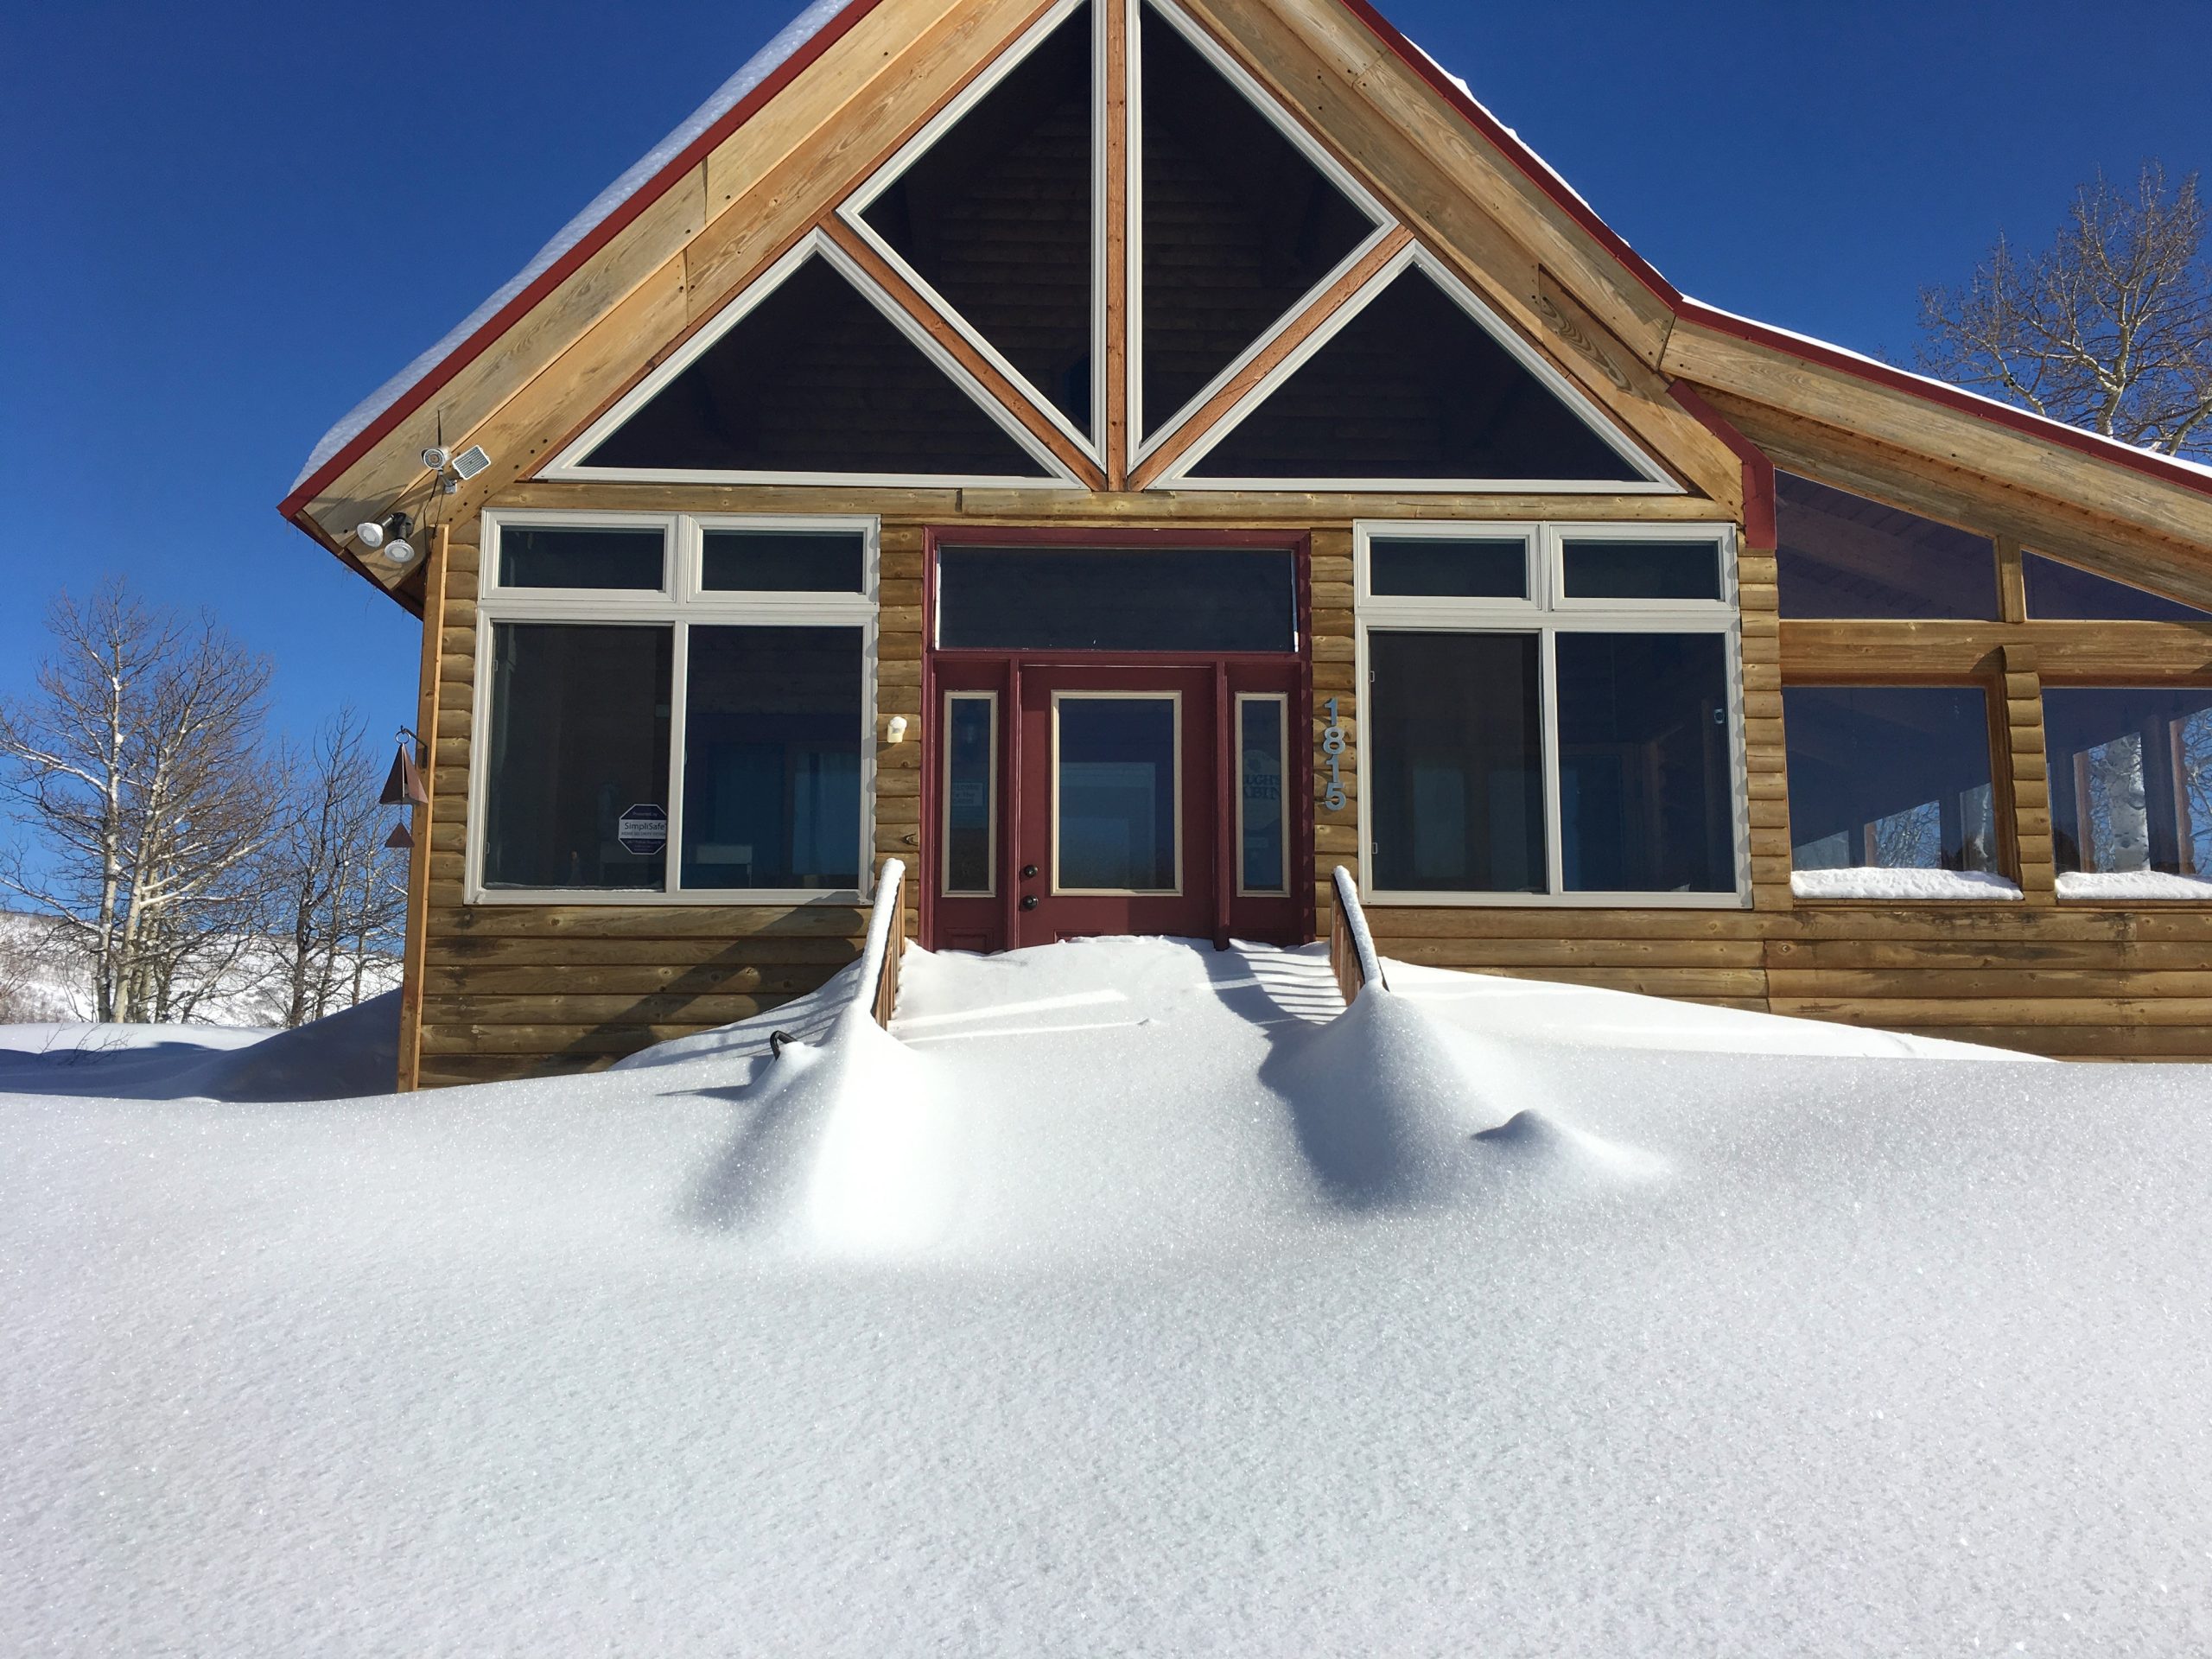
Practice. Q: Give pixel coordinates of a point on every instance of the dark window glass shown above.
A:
(815, 379)
(1456, 763)
(2131, 779)
(1891, 776)
(1414, 388)
(532, 556)
(996, 217)
(579, 737)
(1841, 555)
(1463, 567)
(772, 759)
(1260, 775)
(1238, 223)
(784, 560)
(1115, 788)
(970, 751)
(1634, 569)
(1644, 759)
(1089, 599)
(2062, 593)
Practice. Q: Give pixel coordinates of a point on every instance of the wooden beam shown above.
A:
(1119, 444)
(955, 345)
(1808, 416)
(1278, 350)
(418, 859)
(1933, 651)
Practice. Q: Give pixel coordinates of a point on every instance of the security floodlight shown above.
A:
(400, 552)
(371, 532)
(469, 463)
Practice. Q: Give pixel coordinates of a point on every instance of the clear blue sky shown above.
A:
(227, 223)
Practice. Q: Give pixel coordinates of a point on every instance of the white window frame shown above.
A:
(570, 465)
(1545, 617)
(853, 210)
(990, 888)
(1175, 698)
(1281, 701)
(681, 603)
(1652, 479)
(1142, 447)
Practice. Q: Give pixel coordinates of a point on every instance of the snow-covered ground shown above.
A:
(1130, 1298)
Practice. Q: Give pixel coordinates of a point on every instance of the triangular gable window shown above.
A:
(1241, 217)
(2058, 592)
(807, 375)
(1412, 386)
(993, 212)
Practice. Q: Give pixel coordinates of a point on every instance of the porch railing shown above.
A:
(1352, 947)
(886, 943)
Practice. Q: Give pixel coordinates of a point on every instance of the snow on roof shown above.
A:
(762, 63)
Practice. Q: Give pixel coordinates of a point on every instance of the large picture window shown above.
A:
(1550, 714)
(675, 707)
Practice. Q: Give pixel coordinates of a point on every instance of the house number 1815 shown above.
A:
(1332, 749)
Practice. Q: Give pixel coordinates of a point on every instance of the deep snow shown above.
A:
(1130, 1299)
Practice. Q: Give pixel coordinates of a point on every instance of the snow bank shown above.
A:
(1053, 1327)
(348, 1054)
(2119, 884)
(1904, 886)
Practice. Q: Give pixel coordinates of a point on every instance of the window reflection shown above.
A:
(2131, 779)
(1890, 777)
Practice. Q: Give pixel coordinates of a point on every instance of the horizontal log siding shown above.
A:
(519, 991)
(533, 990)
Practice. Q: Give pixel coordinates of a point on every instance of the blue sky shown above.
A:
(228, 222)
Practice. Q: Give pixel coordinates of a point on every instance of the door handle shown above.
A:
(1029, 902)
(1029, 871)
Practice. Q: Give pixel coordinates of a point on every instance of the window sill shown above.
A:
(657, 898)
(1556, 900)
(1903, 887)
(2132, 887)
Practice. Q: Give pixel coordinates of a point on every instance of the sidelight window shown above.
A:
(675, 707)
(1550, 713)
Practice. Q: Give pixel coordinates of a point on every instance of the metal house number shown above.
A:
(1332, 749)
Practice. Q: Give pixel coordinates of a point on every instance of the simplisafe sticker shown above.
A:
(643, 829)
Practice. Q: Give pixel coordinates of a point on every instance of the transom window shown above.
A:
(1551, 713)
(673, 705)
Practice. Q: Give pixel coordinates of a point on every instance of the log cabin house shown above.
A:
(1126, 458)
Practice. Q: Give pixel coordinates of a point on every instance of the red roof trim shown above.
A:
(561, 269)
(1964, 403)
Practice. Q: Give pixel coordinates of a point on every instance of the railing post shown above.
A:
(886, 943)
(1352, 947)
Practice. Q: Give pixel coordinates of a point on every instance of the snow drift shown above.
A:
(1129, 1297)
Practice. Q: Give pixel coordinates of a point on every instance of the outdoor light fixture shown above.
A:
(390, 537)
(896, 732)
(469, 463)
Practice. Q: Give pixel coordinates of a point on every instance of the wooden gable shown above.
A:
(794, 169)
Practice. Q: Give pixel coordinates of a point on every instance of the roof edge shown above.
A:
(621, 215)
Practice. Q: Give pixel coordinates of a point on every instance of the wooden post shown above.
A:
(418, 860)
(1117, 441)
(2027, 777)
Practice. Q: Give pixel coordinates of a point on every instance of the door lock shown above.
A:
(1029, 902)
(1029, 871)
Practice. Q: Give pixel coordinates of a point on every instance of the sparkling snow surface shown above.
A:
(1871, 883)
(2131, 884)
(1129, 1299)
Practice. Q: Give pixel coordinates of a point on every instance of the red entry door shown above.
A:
(1117, 811)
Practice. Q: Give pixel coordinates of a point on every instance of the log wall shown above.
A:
(511, 990)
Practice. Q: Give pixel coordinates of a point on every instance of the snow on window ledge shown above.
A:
(2132, 884)
(1900, 885)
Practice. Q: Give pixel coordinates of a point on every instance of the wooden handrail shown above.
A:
(1352, 947)
(886, 943)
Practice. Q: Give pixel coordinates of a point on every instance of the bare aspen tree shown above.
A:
(2109, 329)
(136, 772)
(341, 894)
